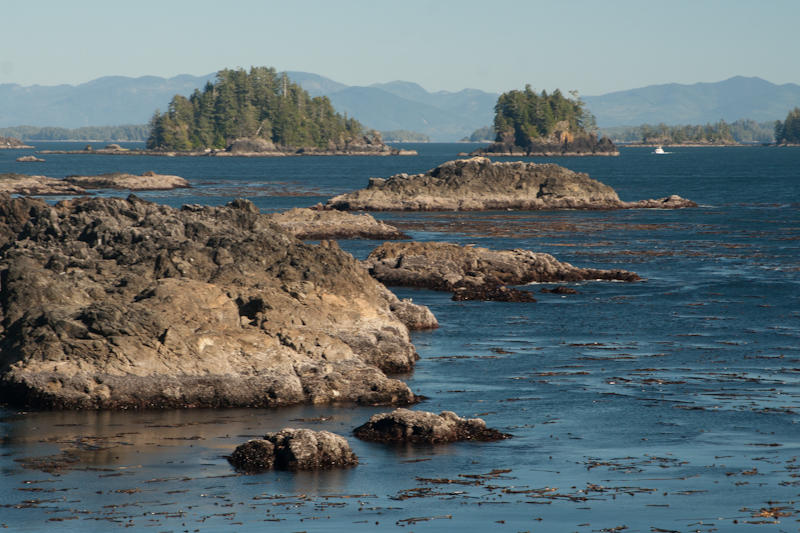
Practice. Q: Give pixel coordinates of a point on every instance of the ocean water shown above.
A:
(669, 404)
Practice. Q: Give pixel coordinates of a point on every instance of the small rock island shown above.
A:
(478, 184)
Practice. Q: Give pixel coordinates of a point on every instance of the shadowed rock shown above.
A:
(122, 303)
(479, 184)
(404, 425)
(294, 449)
(494, 293)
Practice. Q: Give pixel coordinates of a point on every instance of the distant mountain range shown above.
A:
(699, 103)
(397, 105)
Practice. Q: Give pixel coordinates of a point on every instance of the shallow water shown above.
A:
(667, 404)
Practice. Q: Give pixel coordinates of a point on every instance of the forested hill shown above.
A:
(257, 104)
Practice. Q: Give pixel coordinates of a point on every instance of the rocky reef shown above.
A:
(12, 143)
(122, 303)
(406, 426)
(474, 273)
(29, 159)
(149, 181)
(305, 223)
(12, 183)
(293, 449)
(479, 184)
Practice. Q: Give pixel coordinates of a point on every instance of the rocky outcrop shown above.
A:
(479, 184)
(490, 293)
(406, 426)
(561, 143)
(473, 272)
(251, 145)
(30, 159)
(12, 143)
(306, 223)
(77, 185)
(149, 181)
(294, 449)
(36, 185)
(122, 303)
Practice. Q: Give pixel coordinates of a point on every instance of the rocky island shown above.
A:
(531, 124)
(122, 303)
(475, 273)
(12, 143)
(479, 184)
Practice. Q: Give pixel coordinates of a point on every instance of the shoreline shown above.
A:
(222, 153)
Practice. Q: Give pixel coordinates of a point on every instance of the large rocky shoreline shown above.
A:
(478, 184)
(110, 303)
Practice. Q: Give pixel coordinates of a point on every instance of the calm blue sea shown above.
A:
(665, 405)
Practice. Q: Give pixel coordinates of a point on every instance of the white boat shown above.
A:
(659, 150)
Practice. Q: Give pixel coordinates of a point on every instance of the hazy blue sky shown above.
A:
(592, 46)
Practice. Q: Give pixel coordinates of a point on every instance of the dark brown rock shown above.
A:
(494, 293)
(560, 289)
(294, 449)
(121, 303)
(404, 425)
(479, 184)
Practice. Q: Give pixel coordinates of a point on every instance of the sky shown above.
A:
(594, 47)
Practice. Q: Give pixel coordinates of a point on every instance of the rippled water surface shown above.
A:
(664, 405)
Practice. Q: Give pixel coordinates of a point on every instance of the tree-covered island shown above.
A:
(532, 124)
(788, 131)
(260, 111)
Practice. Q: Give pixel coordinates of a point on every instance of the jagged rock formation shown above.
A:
(474, 272)
(404, 425)
(122, 303)
(294, 449)
(479, 184)
(305, 223)
(149, 181)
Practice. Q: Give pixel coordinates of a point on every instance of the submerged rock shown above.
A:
(122, 303)
(559, 289)
(294, 449)
(306, 223)
(462, 269)
(404, 425)
(479, 184)
(149, 181)
(494, 293)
